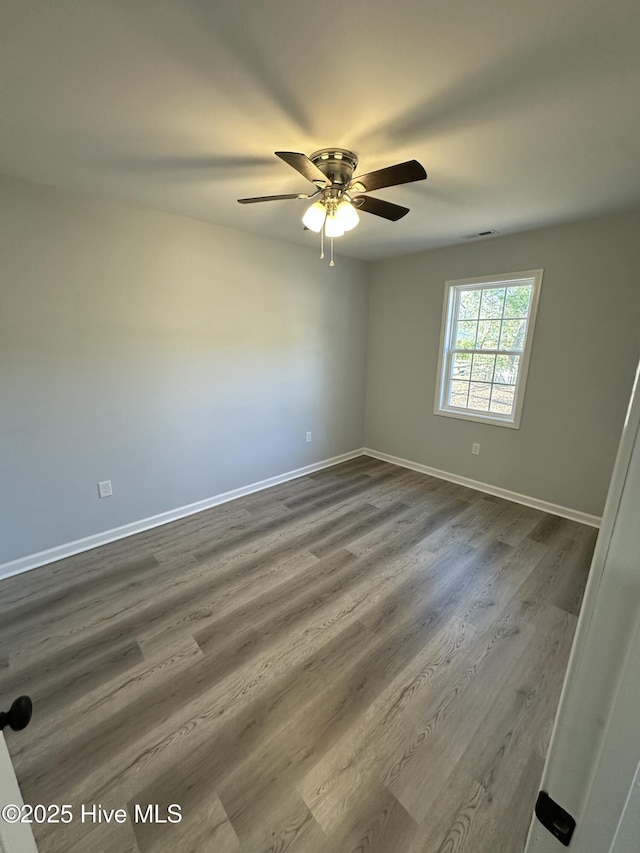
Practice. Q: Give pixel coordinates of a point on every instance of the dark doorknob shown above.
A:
(18, 715)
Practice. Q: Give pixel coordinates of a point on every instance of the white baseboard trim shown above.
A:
(42, 558)
(535, 503)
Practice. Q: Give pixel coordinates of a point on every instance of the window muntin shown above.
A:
(486, 340)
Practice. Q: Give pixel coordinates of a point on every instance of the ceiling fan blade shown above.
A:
(401, 173)
(301, 163)
(378, 207)
(271, 198)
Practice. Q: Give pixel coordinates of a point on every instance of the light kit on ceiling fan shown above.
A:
(341, 195)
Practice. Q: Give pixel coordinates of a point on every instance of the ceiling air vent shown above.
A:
(488, 233)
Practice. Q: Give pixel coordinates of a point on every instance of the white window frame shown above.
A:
(445, 353)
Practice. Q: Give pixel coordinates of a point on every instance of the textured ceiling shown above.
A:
(524, 114)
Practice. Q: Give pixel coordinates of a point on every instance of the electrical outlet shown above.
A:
(308, 436)
(104, 489)
(475, 449)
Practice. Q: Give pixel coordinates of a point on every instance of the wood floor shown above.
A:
(365, 659)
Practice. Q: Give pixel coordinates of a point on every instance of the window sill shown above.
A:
(478, 417)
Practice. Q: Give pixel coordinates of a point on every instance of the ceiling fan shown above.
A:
(339, 195)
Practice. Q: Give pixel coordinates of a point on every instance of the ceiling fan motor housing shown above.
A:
(338, 164)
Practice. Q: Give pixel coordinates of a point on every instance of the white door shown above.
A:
(592, 769)
(14, 837)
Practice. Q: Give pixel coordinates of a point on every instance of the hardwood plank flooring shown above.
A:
(366, 658)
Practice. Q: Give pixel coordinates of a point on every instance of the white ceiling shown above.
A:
(523, 113)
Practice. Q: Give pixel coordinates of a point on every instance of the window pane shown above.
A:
(513, 333)
(469, 305)
(459, 393)
(479, 395)
(517, 301)
(483, 367)
(507, 369)
(502, 398)
(488, 334)
(461, 366)
(492, 303)
(466, 335)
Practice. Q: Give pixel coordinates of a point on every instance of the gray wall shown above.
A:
(181, 360)
(585, 351)
(176, 358)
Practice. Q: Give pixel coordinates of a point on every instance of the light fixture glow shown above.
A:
(332, 227)
(315, 216)
(347, 216)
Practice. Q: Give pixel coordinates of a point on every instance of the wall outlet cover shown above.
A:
(104, 489)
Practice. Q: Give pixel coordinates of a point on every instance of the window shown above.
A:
(487, 331)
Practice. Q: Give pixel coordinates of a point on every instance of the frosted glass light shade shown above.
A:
(347, 216)
(332, 227)
(314, 216)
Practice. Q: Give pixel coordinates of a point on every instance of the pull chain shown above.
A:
(331, 261)
(322, 244)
